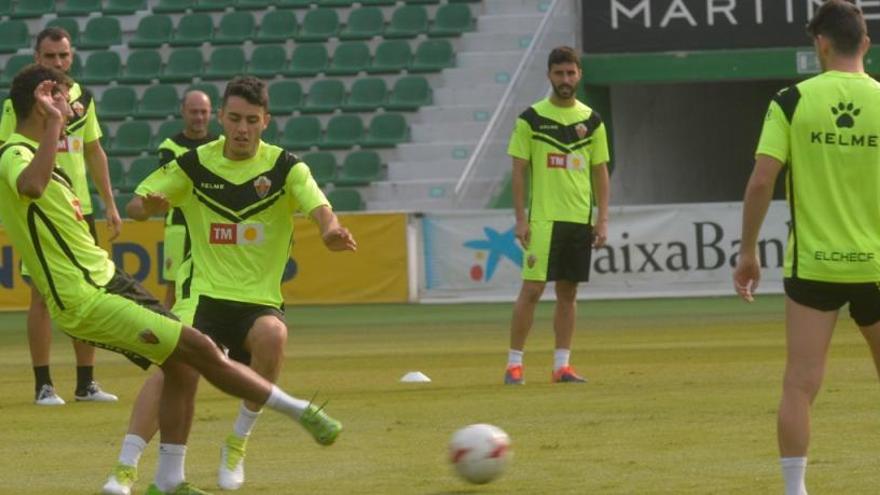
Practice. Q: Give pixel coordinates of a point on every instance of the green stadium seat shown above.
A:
(464, 1)
(267, 61)
(318, 25)
(324, 96)
(13, 36)
(407, 21)
(172, 6)
(98, 210)
(335, 3)
(285, 97)
(124, 7)
(349, 58)
(363, 23)
(132, 138)
(139, 169)
(117, 103)
(101, 32)
(270, 134)
(14, 64)
(343, 132)
(323, 166)
(117, 175)
(293, 4)
(193, 30)
(122, 199)
(141, 67)
(32, 9)
(235, 28)
(392, 56)
(68, 24)
(209, 89)
(410, 93)
(360, 168)
(184, 64)
(106, 139)
(308, 60)
(346, 200)
(167, 129)
(226, 62)
(277, 26)
(253, 4)
(5, 7)
(367, 95)
(212, 5)
(423, 2)
(387, 130)
(76, 67)
(433, 56)
(158, 102)
(101, 68)
(378, 2)
(452, 20)
(215, 128)
(152, 32)
(301, 133)
(3, 95)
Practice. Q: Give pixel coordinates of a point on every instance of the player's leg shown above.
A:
(570, 260)
(872, 337)
(864, 307)
(564, 317)
(39, 329)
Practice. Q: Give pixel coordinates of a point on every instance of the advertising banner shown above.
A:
(652, 251)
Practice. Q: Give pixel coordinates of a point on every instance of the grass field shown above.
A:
(681, 400)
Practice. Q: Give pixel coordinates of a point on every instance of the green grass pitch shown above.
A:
(681, 400)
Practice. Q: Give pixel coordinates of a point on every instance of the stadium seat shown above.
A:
(32, 9)
(270, 134)
(318, 25)
(346, 200)
(267, 61)
(425, 2)
(76, 67)
(13, 36)
(378, 2)
(323, 166)
(432, 56)
(3, 95)
(14, 64)
(122, 199)
(152, 31)
(209, 89)
(253, 4)
(285, 97)
(293, 4)
(106, 139)
(363, 24)
(5, 7)
(349, 58)
(139, 169)
(132, 138)
(452, 20)
(158, 102)
(226, 62)
(117, 175)
(235, 28)
(301, 133)
(68, 24)
(124, 7)
(407, 21)
(360, 168)
(117, 103)
(78, 8)
(167, 129)
(367, 95)
(335, 3)
(276, 26)
(212, 5)
(324, 96)
(392, 56)
(101, 32)
(386, 131)
(410, 93)
(343, 132)
(172, 6)
(193, 30)
(101, 68)
(184, 64)
(141, 67)
(308, 59)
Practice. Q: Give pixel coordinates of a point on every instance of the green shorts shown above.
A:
(558, 251)
(185, 307)
(175, 242)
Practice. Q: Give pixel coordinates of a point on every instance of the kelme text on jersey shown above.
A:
(840, 139)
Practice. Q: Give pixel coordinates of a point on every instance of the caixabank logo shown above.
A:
(491, 250)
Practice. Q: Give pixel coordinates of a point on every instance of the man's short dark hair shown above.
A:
(843, 23)
(250, 88)
(26, 82)
(54, 34)
(563, 55)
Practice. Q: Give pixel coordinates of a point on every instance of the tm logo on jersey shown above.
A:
(236, 233)
(571, 161)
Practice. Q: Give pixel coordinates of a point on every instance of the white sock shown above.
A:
(560, 358)
(793, 471)
(170, 472)
(283, 403)
(244, 423)
(132, 448)
(514, 357)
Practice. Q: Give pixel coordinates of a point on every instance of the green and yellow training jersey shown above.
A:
(171, 148)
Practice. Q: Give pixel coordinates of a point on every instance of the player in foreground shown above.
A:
(92, 301)
(825, 129)
(561, 144)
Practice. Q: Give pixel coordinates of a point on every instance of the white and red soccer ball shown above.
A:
(480, 452)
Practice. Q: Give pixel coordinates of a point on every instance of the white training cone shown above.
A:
(415, 377)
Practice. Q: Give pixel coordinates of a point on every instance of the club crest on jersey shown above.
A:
(262, 185)
(78, 109)
(581, 130)
(148, 337)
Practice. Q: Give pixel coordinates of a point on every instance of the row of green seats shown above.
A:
(176, 6)
(99, 33)
(24, 9)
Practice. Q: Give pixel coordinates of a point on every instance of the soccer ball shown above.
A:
(480, 452)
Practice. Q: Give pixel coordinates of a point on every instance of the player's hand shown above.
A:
(523, 233)
(339, 239)
(114, 222)
(155, 204)
(746, 276)
(600, 233)
(52, 98)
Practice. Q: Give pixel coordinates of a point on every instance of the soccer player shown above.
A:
(196, 112)
(93, 301)
(560, 143)
(825, 131)
(238, 195)
(77, 148)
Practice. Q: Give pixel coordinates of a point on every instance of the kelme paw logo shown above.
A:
(845, 113)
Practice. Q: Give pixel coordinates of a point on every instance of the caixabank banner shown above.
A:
(377, 272)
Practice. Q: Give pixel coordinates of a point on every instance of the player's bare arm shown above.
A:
(141, 208)
(96, 161)
(335, 236)
(602, 190)
(51, 99)
(518, 184)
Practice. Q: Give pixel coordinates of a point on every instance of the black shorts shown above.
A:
(571, 250)
(863, 299)
(228, 323)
